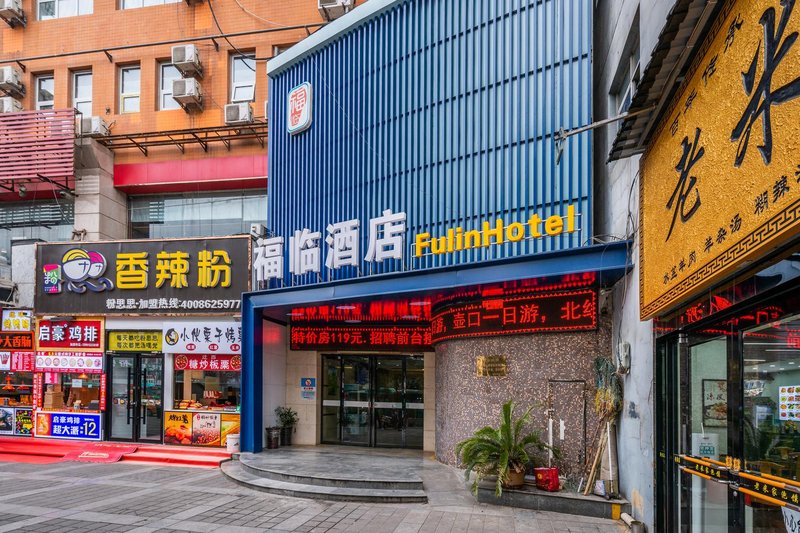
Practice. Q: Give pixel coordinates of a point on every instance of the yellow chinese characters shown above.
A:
(213, 269)
(172, 267)
(132, 270)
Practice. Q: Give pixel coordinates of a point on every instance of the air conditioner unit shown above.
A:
(240, 113)
(11, 9)
(9, 105)
(186, 58)
(186, 91)
(94, 127)
(10, 81)
(333, 9)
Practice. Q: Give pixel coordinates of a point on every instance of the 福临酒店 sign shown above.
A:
(177, 276)
(719, 182)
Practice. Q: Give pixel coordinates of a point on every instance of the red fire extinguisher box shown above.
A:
(547, 478)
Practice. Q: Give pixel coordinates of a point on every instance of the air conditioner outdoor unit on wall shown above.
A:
(187, 92)
(333, 9)
(9, 105)
(186, 58)
(10, 81)
(94, 127)
(11, 10)
(239, 113)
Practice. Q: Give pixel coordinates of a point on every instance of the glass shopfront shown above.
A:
(728, 410)
(373, 400)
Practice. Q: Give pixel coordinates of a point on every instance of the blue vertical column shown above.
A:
(252, 378)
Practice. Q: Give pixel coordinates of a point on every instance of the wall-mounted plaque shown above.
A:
(491, 365)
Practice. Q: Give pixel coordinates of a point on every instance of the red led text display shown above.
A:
(394, 338)
(565, 311)
(16, 340)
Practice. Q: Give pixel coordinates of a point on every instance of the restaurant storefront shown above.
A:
(16, 373)
(719, 275)
(140, 341)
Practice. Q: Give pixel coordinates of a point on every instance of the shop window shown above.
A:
(628, 74)
(16, 388)
(56, 9)
(133, 4)
(50, 220)
(45, 88)
(243, 78)
(82, 92)
(196, 215)
(167, 73)
(201, 389)
(129, 83)
(73, 392)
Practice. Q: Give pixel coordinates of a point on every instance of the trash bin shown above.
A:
(232, 444)
(273, 438)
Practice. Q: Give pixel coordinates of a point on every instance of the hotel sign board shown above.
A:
(720, 183)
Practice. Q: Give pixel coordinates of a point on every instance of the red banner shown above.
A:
(16, 341)
(22, 361)
(212, 362)
(69, 334)
(103, 392)
(37, 391)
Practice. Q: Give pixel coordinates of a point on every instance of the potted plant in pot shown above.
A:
(287, 418)
(502, 452)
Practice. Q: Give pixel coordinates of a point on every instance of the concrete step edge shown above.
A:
(329, 481)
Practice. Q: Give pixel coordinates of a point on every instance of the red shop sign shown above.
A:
(22, 361)
(69, 334)
(103, 392)
(213, 362)
(16, 340)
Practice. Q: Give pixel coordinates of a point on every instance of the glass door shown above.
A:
(123, 403)
(151, 395)
(331, 387)
(414, 401)
(137, 388)
(389, 387)
(356, 398)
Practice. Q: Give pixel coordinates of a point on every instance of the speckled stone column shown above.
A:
(546, 370)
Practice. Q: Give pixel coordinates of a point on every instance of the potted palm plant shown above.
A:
(287, 417)
(501, 452)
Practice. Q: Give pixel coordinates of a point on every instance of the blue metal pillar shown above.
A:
(252, 414)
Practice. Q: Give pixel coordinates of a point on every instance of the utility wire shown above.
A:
(252, 57)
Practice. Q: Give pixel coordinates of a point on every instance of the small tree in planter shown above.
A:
(287, 417)
(503, 452)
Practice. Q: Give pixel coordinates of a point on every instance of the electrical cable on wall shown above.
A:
(252, 57)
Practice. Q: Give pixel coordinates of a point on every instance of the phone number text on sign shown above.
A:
(169, 304)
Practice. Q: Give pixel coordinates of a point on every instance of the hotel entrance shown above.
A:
(373, 400)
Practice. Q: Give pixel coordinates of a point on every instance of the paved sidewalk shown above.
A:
(83, 497)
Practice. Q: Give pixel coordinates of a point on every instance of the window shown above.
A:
(195, 215)
(167, 73)
(204, 389)
(628, 74)
(130, 81)
(56, 9)
(82, 92)
(243, 79)
(44, 92)
(133, 4)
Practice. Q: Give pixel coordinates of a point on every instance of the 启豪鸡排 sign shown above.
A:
(69, 334)
(720, 182)
(175, 276)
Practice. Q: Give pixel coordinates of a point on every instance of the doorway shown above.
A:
(373, 400)
(136, 382)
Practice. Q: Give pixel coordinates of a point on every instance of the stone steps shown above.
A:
(307, 487)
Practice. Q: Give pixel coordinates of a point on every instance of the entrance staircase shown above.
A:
(332, 473)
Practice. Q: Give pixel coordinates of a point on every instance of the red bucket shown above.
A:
(547, 478)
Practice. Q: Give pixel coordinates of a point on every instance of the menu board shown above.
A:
(789, 402)
(199, 428)
(23, 421)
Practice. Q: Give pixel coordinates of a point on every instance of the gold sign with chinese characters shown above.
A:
(491, 365)
(720, 181)
(134, 341)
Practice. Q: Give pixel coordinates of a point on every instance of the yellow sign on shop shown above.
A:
(134, 341)
(720, 181)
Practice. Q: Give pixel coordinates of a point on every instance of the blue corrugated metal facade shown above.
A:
(443, 109)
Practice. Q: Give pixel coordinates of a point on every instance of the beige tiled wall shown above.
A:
(303, 365)
(429, 437)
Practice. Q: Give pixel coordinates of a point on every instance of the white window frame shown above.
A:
(78, 100)
(166, 91)
(125, 96)
(136, 4)
(44, 104)
(81, 7)
(242, 84)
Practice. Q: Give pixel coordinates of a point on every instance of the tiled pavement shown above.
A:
(80, 497)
